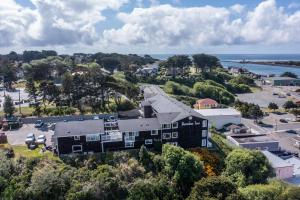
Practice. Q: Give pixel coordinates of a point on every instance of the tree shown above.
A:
(295, 112)
(289, 105)
(203, 61)
(8, 106)
(246, 167)
(273, 106)
(33, 93)
(289, 74)
(9, 74)
(178, 62)
(181, 166)
(218, 187)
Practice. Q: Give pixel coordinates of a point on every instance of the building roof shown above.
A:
(252, 138)
(280, 78)
(167, 109)
(142, 124)
(296, 163)
(78, 128)
(206, 101)
(276, 161)
(218, 112)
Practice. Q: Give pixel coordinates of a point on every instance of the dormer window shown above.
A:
(166, 126)
(76, 137)
(175, 125)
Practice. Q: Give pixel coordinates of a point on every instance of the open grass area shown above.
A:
(23, 151)
(255, 89)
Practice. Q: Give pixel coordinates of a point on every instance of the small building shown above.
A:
(220, 117)
(282, 168)
(283, 81)
(206, 104)
(296, 163)
(253, 141)
(236, 128)
(146, 72)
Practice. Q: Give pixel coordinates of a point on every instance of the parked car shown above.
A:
(41, 139)
(292, 131)
(96, 117)
(51, 126)
(38, 124)
(30, 139)
(283, 121)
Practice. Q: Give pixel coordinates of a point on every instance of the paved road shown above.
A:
(17, 137)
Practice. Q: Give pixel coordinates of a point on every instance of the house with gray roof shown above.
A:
(165, 120)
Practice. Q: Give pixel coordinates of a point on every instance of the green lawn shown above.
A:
(23, 151)
(255, 89)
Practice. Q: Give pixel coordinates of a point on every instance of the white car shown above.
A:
(30, 138)
(41, 139)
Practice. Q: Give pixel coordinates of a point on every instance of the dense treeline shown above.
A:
(172, 174)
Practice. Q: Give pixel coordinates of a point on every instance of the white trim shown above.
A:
(76, 137)
(168, 126)
(76, 150)
(204, 142)
(173, 143)
(204, 123)
(204, 133)
(165, 134)
(129, 144)
(156, 132)
(175, 126)
(148, 141)
(175, 133)
(92, 137)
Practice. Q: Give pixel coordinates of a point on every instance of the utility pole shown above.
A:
(20, 101)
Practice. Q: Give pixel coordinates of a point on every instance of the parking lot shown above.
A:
(286, 141)
(15, 97)
(17, 137)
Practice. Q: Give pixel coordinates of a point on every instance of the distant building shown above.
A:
(282, 168)
(206, 103)
(252, 141)
(283, 81)
(146, 72)
(220, 117)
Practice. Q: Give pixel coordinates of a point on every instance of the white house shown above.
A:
(220, 117)
(282, 168)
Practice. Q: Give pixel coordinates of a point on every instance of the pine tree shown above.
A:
(8, 106)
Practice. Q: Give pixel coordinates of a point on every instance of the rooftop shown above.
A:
(251, 138)
(219, 112)
(281, 78)
(296, 163)
(276, 161)
(206, 101)
(79, 127)
(142, 124)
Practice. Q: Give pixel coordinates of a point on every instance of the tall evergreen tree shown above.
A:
(8, 106)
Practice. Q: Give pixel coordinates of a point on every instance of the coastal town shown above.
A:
(149, 100)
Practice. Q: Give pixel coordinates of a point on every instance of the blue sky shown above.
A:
(151, 26)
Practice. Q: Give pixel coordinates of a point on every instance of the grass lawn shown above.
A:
(22, 150)
(255, 89)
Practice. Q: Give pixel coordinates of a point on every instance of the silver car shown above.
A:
(30, 138)
(41, 139)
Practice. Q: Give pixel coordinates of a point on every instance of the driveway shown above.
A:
(17, 137)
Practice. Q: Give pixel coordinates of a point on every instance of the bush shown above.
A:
(177, 89)
(238, 88)
(125, 106)
(242, 79)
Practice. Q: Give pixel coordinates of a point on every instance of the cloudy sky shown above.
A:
(151, 26)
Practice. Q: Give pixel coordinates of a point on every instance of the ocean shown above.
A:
(228, 60)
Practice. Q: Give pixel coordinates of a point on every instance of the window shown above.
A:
(154, 132)
(204, 123)
(204, 142)
(136, 134)
(166, 126)
(175, 135)
(173, 143)
(77, 148)
(204, 133)
(92, 137)
(77, 137)
(129, 144)
(166, 135)
(148, 141)
(175, 125)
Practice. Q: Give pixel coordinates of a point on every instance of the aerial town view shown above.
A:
(149, 100)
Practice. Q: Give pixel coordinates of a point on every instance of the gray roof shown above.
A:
(78, 128)
(167, 108)
(276, 161)
(252, 138)
(279, 78)
(142, 124)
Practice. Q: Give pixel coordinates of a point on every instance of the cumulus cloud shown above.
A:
(53, 22)
(171, 26)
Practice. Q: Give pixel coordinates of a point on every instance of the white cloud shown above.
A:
(166, 25)
(53, 22)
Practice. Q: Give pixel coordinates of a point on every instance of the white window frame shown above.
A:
(155, 132)
(204, 123)
(136, 134)
(173, 143)
(168, 126)
(176, 126)
(148, 141)
(76, 150)
(129, 144)
(174, 134)
(76, 137)
(167, 138)
(204, 133)
(204, 142)
(92, 137)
